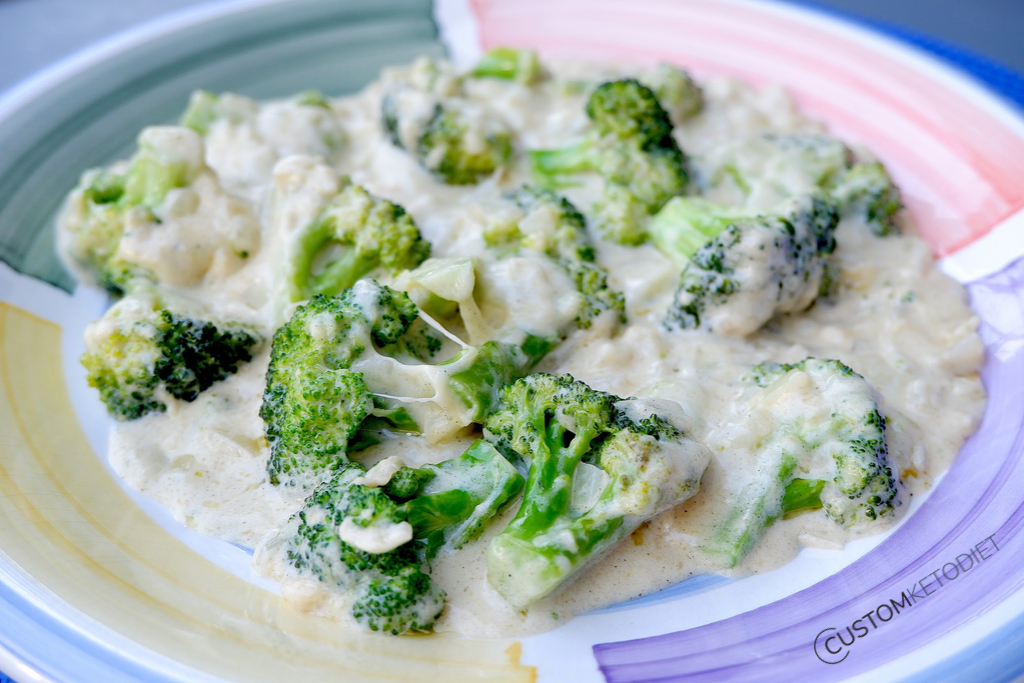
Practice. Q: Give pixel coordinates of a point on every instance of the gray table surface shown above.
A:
(36, 33)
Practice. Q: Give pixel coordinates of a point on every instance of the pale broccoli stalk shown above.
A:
(552, 226)
(167, 158)
(344, 374)
(599, 466)
(141, 349)
(829, 454)
(741, 268)
(510, 64)
(867, 191)
(681, 97)
(371, 541)
(355, 234)
(631, 147)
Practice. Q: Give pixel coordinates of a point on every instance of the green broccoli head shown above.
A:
(140, 349)
(355, 234)
(461, 145)
(94, 221)
(408, 601)
(510, 64)
(314, 404)
(631, 147)
(599, 466)
(552, 226)
(677, 92)
(867, 191)
(828, 452)
(861, 486)
(424, 111)
(751, 266)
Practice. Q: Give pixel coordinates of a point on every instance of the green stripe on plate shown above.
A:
(92, 118)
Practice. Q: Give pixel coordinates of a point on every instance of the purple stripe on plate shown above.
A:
(980, 497)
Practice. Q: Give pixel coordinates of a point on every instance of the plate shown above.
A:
(99, 584)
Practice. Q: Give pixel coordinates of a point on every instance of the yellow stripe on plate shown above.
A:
(67, 524)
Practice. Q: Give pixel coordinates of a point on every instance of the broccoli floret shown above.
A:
(355, 234)
(599, 466)
(750, 266)
(460, 145)
(631, 147)
(140, 350)
(372, 541)
(341, 378)
(829, 452)
(510, 64)
(453, 138)
(867, 191)
(167, 158)
(681, 97)
(772, 167)
(408, 601)
(551, 225)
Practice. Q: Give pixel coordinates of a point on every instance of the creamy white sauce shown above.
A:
(895, 319)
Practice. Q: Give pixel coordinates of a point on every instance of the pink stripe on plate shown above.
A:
(961, 169)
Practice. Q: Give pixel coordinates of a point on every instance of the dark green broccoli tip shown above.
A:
(867, 191)
(105, 188)
(510, 64)
(446, 150)
(630, 111)
(370, 233)
(390, 119)
(183, 355)
(407, 482)
(201, 112)
(595, 474)
(195, 354)
(399, 604)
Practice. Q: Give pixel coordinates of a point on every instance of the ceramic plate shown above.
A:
(97, 584)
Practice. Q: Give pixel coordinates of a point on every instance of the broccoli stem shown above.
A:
(802, 495)
(463, 493)
(547, 164)
(510, 64)
(685, 224)
(759, 504)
